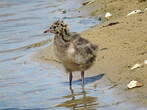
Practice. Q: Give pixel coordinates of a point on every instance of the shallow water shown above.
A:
(26, 84)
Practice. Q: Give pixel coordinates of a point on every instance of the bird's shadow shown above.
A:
(88, 80)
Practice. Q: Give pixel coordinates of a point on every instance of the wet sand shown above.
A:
(121, 46)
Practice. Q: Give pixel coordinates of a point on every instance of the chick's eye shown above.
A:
(54, 27)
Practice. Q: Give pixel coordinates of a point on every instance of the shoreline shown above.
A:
(121, 46)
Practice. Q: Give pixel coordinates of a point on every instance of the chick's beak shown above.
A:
(46, 31)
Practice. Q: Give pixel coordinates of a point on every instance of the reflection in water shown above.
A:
(79, 101)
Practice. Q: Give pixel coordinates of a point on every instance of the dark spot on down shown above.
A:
(94, 47)
(82, 41)
(88, 50)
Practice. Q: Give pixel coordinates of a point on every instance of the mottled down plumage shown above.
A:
(75, 52)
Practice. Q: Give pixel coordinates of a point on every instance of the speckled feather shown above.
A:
(75, 52)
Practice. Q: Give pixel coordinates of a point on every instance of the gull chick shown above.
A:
(75, 52)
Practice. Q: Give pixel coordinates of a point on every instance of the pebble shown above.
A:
(108, 15)
(134, 12)
(133, 84)
(145, 61)
(137, 65)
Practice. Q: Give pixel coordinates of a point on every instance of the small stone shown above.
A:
(137, 65)
(134, 12)
(145, 61)
(108, 15)
(133, 84)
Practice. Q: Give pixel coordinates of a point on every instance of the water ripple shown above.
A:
(34, 45)
(19, 19)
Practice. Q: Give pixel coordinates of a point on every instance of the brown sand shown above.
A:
(126, 45)
(121, 45)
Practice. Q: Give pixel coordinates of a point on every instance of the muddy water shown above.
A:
(26, 84)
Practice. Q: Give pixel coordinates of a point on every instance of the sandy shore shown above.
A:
(121, 46)
(125, 45)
